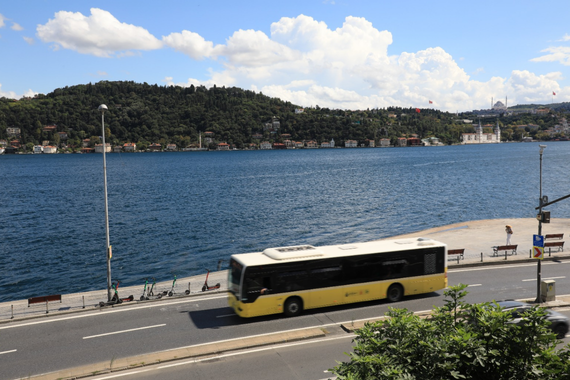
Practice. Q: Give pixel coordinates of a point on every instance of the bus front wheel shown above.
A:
(395, 293)
(293, 307)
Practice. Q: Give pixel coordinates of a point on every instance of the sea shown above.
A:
(183, 213)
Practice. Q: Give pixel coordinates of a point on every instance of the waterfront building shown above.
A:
(98, 148)
(371, 143)
(223, 146)
(3, 143)
(402, 141)
(266, 145)
(350, 144)
(298, 144)
(117, 149)
(155, 147)
(384, 143)
(86, 142)
(171, 148)
(38, 149)
(129, 147)
(311, 144)
(50, 149)
(482, 138)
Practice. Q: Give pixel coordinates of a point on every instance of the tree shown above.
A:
(457, 341)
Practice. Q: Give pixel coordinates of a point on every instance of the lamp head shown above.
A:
(542, 148)
(102, 108)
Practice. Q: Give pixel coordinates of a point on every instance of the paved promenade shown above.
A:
(476, 237)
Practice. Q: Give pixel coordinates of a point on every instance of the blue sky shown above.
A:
(340, 54)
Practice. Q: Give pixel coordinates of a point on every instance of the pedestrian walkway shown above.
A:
(476, 237)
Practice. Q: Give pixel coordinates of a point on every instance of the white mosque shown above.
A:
(482, 138)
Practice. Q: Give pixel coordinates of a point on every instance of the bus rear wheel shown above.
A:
(395, 293)
(293, 307)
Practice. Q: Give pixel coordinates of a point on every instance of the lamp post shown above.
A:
(104, 108)
(540, 203)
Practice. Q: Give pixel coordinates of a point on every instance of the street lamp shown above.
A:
(104, 108)
(540, 203)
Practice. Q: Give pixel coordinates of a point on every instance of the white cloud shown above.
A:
(557, 54)
(307, 63)
(191, 44)
(17, 27)
(13, 95)
(2, 23)
(100, 34)
(29, 40)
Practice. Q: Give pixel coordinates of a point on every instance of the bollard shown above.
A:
(83, 301)
(219, 265)
(530, 253)
(47, 311)
(458, 259)
(481, 256)
(188, 288)
(12, 312)
(505, 254)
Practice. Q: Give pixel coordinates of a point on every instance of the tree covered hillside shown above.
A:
(145, 114)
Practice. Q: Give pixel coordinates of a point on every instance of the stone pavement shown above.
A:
(476, 237)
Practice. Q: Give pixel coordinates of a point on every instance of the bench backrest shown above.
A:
(554, 236)
(455, 251)
(506, 247)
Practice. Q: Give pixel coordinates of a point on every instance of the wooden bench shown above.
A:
(459, 252)
(44, 299)
(554, 244)
(554, 236)
(506, 248)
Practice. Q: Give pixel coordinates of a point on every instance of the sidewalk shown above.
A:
(476, 237)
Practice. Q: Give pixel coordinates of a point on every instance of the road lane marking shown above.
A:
(546, 278)
(96, 313)
(7, 352)
(225, 315)
(494, 267)
(474, 285)
(123, 331)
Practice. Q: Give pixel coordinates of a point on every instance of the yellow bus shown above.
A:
(292, 279)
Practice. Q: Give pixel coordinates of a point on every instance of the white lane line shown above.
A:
(123, 331)
(546, 278)
(225, 316)
(118, 310)
(495, 267)
(7, 352)
(253, 350)
(474, 285)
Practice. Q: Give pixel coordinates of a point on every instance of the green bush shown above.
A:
(457, 341)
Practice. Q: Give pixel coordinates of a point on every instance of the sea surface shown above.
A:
(179, 213)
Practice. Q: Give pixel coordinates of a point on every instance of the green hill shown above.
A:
(146, 114)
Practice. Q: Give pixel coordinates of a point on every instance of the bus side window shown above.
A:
(256, 286)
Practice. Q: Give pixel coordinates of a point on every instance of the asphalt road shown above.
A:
(39, 346)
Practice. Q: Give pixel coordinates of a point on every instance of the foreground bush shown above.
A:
(457, 341)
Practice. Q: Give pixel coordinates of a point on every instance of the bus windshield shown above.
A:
(234, 277)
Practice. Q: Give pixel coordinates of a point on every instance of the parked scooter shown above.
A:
(207, 287)
(116, 299)
(148, 292)
(169, 292)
